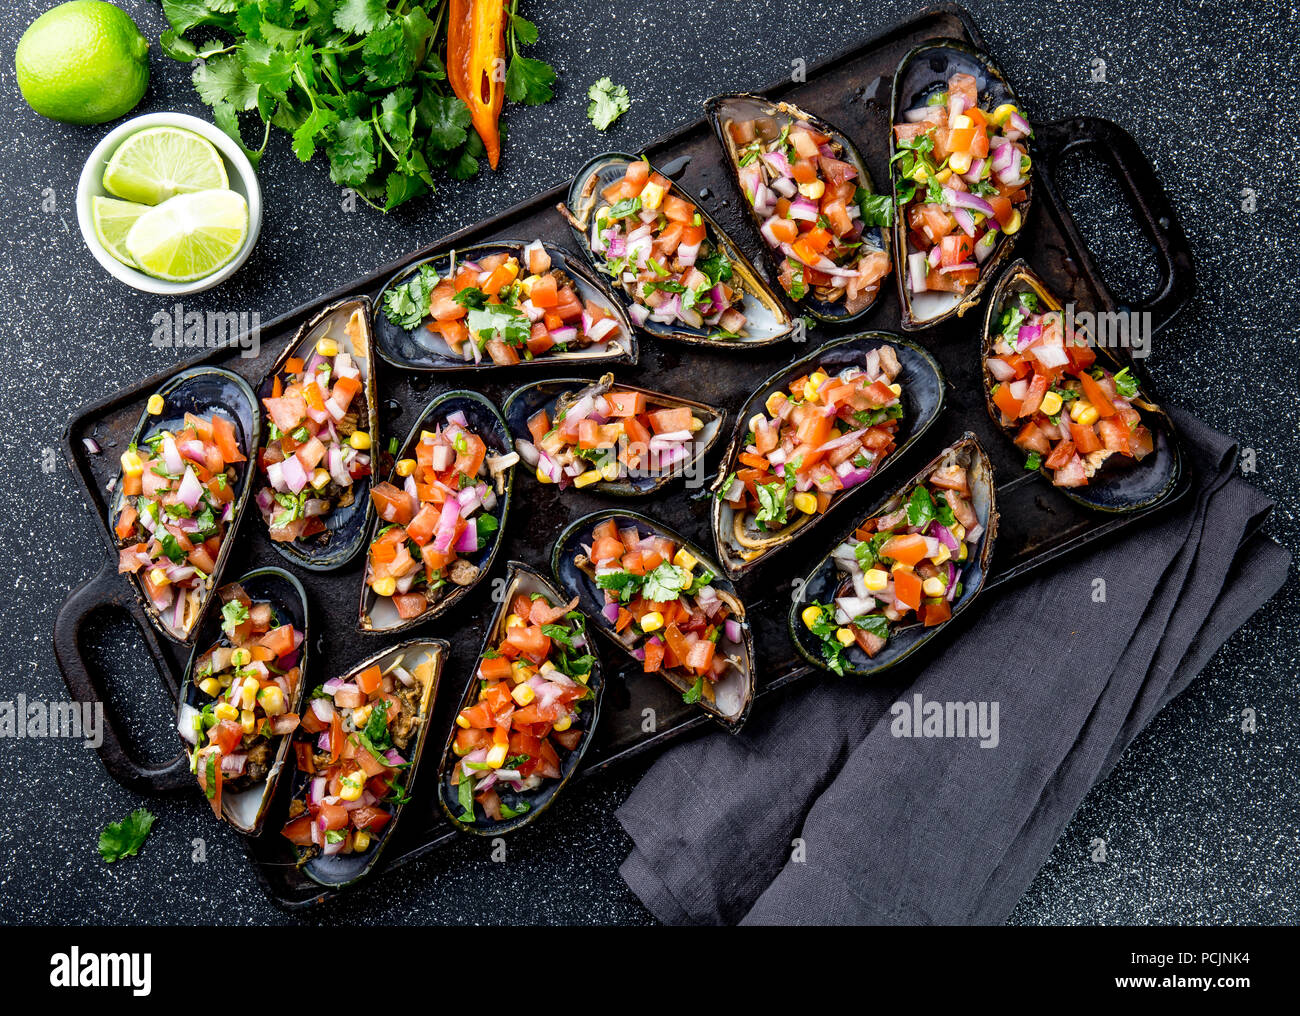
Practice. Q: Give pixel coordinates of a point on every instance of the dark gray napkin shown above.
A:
(818, 814)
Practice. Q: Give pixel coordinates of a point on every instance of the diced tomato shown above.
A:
(907, 587)
(908, 549)
(1005, 401)
(1093, 393)
(1085, 438)
(1115, 435)
(392, 504)
(223, 435)
(409, 605)
(1060, 455)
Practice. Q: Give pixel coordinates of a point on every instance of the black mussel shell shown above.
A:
(824, 581)
(722, 110)
(767, 319)
(246, 809)
(922, 397)
(202, 391)
(734, 695)
(345, 528)
(485, 420)
(924, 71)
(526, 804)
(419, 349)
(1120, 484)
(524, 403)
(423, 659)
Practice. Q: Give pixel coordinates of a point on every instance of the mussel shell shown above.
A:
(341, 870)
(922, 71)
(1121, 484)
(733, 696)
(823, 581)
(203, 391)
(485, 420)
(246, 809)
(419, 350)
(721, 109)
(524, 402)
(767, 319)
(345, 528)
(923, 394)
(519, 579)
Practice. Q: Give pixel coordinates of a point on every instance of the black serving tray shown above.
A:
(851, 90)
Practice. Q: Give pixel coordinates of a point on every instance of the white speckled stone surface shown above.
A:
(1201, 820)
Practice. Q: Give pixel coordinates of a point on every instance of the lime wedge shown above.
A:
(113, 220)
(189, 236)
(161, 162)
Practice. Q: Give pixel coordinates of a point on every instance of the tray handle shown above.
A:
(1154, 212)
(106, 589)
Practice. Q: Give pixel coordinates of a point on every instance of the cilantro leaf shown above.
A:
(608, 102)
(124, 839)
(529, 81)
(359, 17)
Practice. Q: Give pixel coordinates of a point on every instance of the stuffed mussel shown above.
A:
(1080, 419)
(440, 515)
(319, 439)
(356, 753)
(184, 482)
(664, 602)
(825, 231)
(904, 571)
(528, 713)
(678, 273)
(812, 435)
(242, 695)
(961, 173)
(500, 304)
(613, 438)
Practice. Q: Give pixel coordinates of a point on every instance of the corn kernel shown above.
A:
(225, 711)
(813, 190)
(943, 176)
(875, 579)
(158, 577)
(496, 756)
(1025, 163)
(241, 657)
(155, 405)
(963, 552)
(320, 479)
(360, 440)
(774, 403)
(386, 586)
(959, 162)
(248, 721)
(523, 694)
(810, 616)
(844, 636)
(943, 555)
(428, 437)
(609, 471)
(806, 502)
(697, 425)
(652, 621)
(756, 422)
(960, 122)
(685, 559)
(1003, 113)
(520, 671)
(461, 721)
(361, 716)
(896, 388)
(1051, 404)
(958, 531)
(353, 785)
(210, 686)
(1013, 226)
(546, 667)
(326, 346)
(132, 464)
(360, 841)
(405, 467)
(933, 586)
(603, 212)
(563, 723)
(1089, 416)
(248, 692)
(271, 699)
(542, 477)
(515, 621)
(652, 196)
(587, 479)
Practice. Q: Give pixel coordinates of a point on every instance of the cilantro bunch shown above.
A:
(362, 80)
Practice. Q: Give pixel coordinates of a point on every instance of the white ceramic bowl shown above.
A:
(243, 180)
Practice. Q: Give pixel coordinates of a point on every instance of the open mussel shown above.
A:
(612, 438)
(825, 231)
(500, 304)
(1059, 393)
(663, 601)
(357, 751)
(184, 482)
(962, 178)
(905, 571)
(242, 696)
(679, 275)
(814, 433)
(440, 515)
(319, 439)
(536, 668)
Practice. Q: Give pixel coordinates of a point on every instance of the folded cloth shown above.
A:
(819, 814)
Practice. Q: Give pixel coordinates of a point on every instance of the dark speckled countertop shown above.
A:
(1201, 820)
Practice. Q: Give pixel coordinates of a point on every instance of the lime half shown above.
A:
(113, 220)
(189, 236)
(160, 162)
